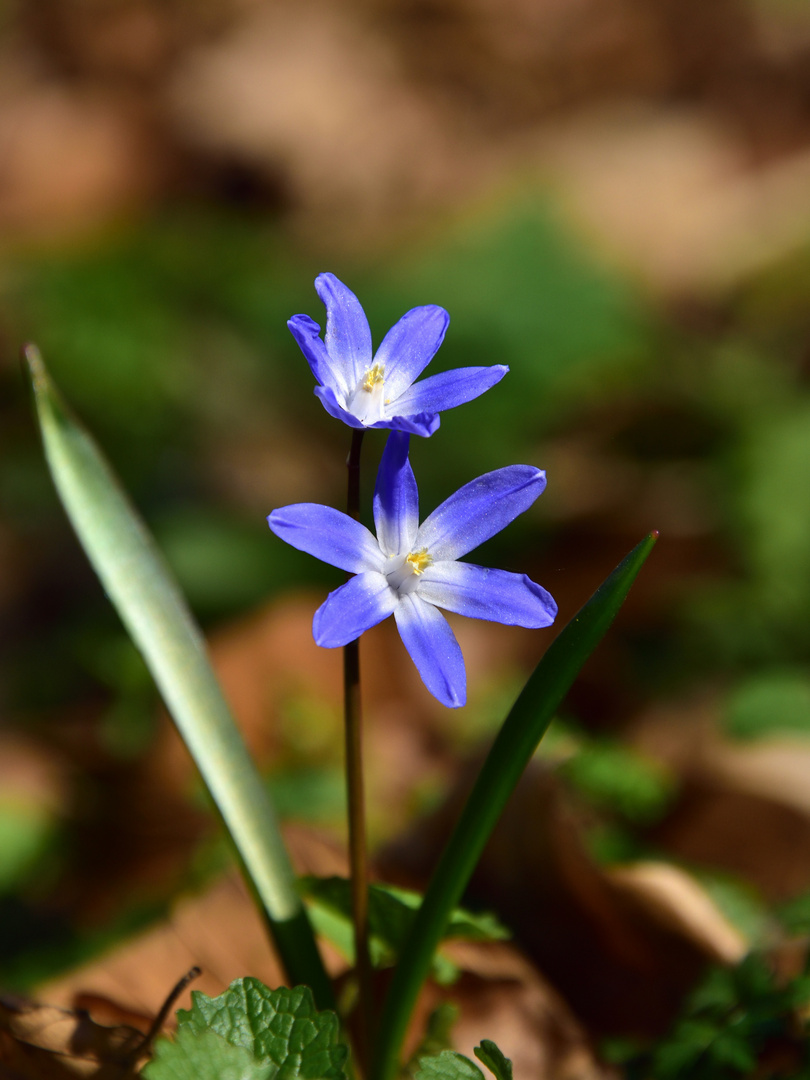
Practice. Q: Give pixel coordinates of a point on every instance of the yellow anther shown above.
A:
(419, 560)
(373, 376)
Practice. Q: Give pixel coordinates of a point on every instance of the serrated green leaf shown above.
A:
(157, 618)
(448, 1065)
(203, 1056)
(511, 751)
(391, 911)
(281, 1026)
(494, 1059)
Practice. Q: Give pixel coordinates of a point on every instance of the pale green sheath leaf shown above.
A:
(154, 612)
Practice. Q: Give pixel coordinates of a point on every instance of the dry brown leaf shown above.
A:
(310, 90)
(677, 899)
(502, 997)
(219, 931)
(671, 194)
(43, 1042)
(741, 808)
(69, 159)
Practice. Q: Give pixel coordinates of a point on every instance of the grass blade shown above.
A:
(513, 747)
(157, 618)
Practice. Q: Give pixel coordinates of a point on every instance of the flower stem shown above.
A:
(358, 858)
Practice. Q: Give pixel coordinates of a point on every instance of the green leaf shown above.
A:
(448, 1065)
(437, 1035)
(391, 912)
(280, 1026)
(514, 746)
(203, 1056)
(494, 1059)
(157, 618)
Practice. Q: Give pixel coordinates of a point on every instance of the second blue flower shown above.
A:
(381, 391)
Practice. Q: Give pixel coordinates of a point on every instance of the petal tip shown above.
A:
(319, 634)
(325, 278)
(331, 289)
(294, 320)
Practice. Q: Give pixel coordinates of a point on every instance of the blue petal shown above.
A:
(481, 593)
(409, 346)
(307, 333)
(479, 510)
(421, 424)
(348, 338)
(329, 535)
(352, 609)
(432, 645)
(396, 498)
(448, 389)
(326, 396)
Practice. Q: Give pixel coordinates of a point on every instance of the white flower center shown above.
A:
(367, 402)
(404, 574)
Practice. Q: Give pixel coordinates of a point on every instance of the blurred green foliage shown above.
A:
(794, 915)
(740, 1021)
(317, 795)
(27, 831)
(618, 778)
(620, 791)
(767, 702)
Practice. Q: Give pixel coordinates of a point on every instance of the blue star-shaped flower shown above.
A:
(411, 570)
(381, 391)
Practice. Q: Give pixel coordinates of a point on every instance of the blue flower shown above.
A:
(378, 391)
(410, 570)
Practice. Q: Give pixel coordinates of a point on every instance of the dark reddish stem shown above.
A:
(358, 857)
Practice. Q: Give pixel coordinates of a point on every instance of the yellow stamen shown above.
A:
(373, 376)
(420, 560)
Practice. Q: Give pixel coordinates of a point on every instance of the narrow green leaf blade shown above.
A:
(204, 1056)
(494, 1059)
(448, 1065)
(280, 1026)
(510, 753)
(154, 612)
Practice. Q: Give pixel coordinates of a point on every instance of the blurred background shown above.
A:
(610, 196)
